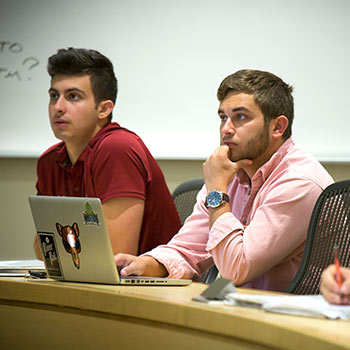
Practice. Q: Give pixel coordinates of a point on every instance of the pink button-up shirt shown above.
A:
(260, 243)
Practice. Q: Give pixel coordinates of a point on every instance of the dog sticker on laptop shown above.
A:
(70, 234)
(70, 240)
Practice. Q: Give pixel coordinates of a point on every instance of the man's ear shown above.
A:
(279, 125)
(105, 108)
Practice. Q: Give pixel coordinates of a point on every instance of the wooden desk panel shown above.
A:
(38, 313)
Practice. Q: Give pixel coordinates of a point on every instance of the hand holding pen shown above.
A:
(335, 282)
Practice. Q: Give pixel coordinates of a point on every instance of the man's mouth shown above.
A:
(60, 122)
(230, 143)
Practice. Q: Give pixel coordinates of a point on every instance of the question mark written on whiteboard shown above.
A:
(34, 62)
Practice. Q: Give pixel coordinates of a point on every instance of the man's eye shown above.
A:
(240, 117)
(53, 96)
(223, 118)
(73, 97)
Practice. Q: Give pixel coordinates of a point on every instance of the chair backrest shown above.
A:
(329, 227)
(184, 197)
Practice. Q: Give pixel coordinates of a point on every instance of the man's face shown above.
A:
(242, 127)
(72, 110)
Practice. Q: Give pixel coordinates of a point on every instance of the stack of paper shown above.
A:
(18, 268)
(301, 305)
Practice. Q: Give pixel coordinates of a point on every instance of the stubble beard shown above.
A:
(254, 148)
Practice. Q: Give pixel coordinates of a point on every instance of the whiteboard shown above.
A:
(170, 57)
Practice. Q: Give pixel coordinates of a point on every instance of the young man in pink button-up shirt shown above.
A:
(252, 214)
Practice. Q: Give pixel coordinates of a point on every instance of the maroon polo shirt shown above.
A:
(116, 163)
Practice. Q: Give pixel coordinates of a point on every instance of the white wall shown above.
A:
(170, 57)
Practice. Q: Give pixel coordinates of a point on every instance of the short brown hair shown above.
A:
(271, 93)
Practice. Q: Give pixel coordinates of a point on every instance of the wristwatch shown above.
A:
(216, 198)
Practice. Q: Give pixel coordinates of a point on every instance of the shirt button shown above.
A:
(76, 189)
(244, 222)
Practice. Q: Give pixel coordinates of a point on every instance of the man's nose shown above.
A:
(60, 106)
(228, 127)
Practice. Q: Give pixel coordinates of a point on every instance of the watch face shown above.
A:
(214, 199)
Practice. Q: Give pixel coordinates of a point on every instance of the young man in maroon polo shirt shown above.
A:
(99, 158)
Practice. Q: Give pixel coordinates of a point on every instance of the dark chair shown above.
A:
(329, 228)
(184, 197)
(210, 275)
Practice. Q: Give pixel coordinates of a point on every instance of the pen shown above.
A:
(37, 274)
(338, 276)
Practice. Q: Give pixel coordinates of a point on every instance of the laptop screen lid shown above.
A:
(75, 244)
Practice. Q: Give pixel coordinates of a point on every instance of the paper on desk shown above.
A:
(17, 265)
(301, 305)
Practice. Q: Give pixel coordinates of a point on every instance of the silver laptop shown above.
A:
(75, 244)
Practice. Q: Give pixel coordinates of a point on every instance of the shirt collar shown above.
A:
(62, 155)
(267, 168)
(62, 158)
(107, 128)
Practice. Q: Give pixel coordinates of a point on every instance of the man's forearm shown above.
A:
(215, 213)
(154, 267)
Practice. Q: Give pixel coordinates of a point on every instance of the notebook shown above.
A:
(75, 244)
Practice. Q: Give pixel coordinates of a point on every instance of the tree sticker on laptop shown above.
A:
(90, 217)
